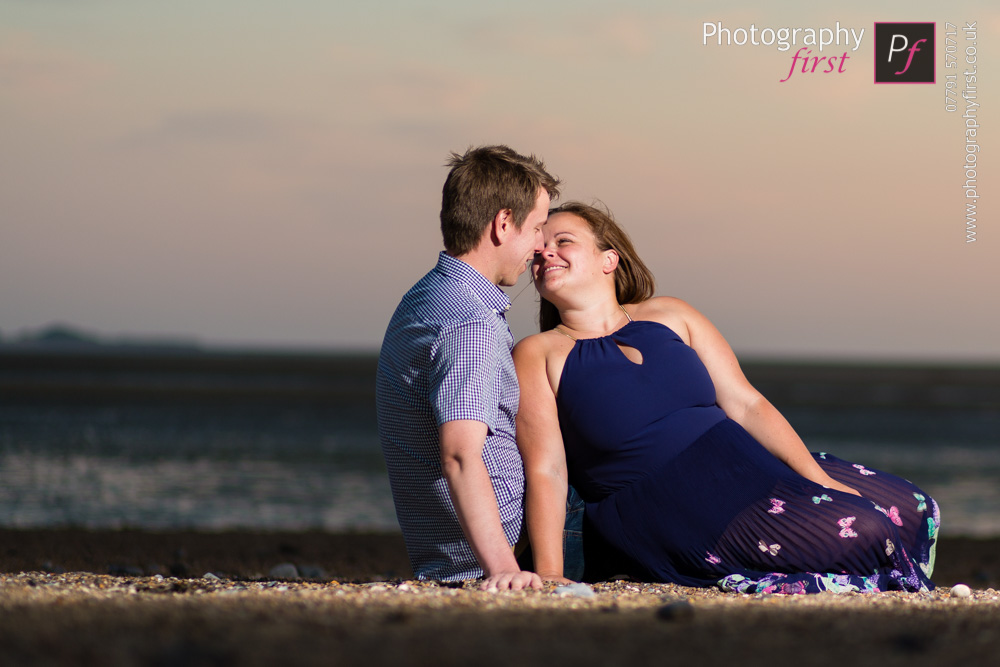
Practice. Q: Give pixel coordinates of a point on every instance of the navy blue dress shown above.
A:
(677, 492)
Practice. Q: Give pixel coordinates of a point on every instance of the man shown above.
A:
(446, 390)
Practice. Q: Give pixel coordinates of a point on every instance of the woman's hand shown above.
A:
(556, 579)
(831, 483)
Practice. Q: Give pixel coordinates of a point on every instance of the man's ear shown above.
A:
(610, 261)
(502, 226)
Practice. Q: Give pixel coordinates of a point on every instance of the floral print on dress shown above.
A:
(904, 559)
(845, 526)
(803, 583)
(768, 548)
(892, 513)
(863, 470)
(776, 506)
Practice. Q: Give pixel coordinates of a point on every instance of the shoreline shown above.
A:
(344, 556)
(365, 610)
(243, 554)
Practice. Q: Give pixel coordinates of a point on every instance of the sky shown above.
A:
(268, 175)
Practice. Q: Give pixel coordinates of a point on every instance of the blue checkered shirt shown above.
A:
(445, 357)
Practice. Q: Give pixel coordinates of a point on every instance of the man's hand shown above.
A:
(476, 505)
(513, 581)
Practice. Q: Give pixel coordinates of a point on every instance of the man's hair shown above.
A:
(483, 182)
(634, 282)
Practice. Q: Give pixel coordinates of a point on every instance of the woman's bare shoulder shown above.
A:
(662, 306)
(535, 346)
(671, 312)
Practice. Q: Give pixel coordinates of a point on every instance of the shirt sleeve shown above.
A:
(464, 375)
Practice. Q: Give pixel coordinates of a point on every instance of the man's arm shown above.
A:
(475, 502)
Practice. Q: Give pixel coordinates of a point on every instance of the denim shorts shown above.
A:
(573, 537)
(572, 540)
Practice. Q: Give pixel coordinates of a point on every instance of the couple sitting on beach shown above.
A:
(631, 412)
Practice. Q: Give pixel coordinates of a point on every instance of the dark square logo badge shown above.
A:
(904, 53)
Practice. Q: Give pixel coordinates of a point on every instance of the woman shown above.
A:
(689, 475)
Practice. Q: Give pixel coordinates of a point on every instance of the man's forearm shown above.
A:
(473, 496)
(476, 506)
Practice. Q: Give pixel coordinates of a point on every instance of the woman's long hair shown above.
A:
(634, 282)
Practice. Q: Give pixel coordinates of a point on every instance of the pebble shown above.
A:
(579, 590)
(961, 591)
(675, 611)
(52, 568)
(209, 576)
(312, 572)
(284, 571)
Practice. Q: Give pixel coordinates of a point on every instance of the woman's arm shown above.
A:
(540, 443)
(742, 402)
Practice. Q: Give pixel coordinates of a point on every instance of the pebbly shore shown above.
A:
(84, 618)
(246, 599)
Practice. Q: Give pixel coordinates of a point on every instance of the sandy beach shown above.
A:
(71, 597)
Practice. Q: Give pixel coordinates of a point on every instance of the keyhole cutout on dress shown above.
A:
(632, 354)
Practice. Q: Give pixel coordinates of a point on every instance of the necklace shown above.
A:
(559, 327)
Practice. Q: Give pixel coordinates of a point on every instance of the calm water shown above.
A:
(299, 467)
(191, 466)
(307, 461)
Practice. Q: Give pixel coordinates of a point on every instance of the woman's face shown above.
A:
(569, 255)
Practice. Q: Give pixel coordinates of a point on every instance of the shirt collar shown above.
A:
(494, 297)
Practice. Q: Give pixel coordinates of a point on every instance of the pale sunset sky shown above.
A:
(268, 175)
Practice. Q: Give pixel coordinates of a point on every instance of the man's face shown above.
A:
(525, 242)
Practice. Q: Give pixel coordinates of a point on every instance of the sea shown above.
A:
(161, 438)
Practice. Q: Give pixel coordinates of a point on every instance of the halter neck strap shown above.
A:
(559, 327)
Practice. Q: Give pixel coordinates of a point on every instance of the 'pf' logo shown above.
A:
(904, 53)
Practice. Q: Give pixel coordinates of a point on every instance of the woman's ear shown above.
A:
(610, 260)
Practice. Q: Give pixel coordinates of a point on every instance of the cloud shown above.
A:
(372, 83)
(615, 34)
(416, 89)
(33, 71)
(211, 126)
